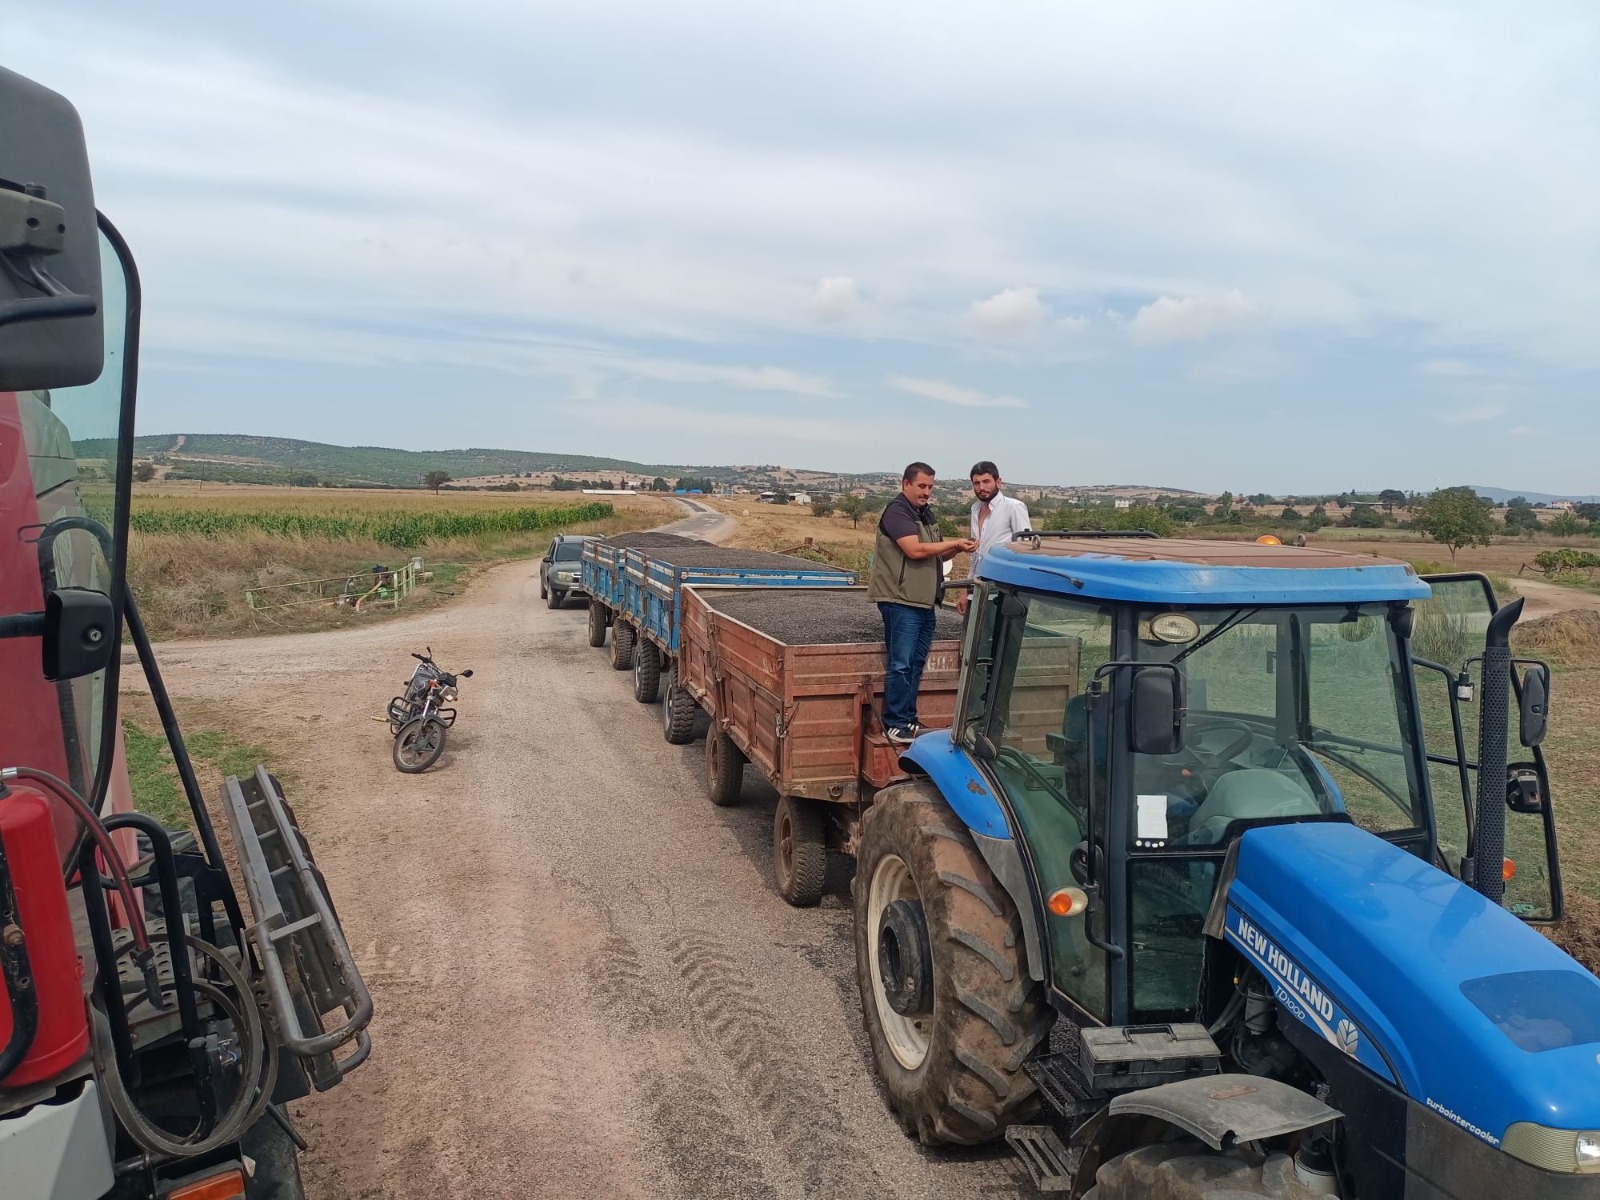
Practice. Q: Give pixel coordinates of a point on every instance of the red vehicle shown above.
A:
(152, 1026)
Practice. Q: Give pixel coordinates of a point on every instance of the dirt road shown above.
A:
(1545, 598)
(585, 984)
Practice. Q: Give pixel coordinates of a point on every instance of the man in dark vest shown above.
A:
(906, 574)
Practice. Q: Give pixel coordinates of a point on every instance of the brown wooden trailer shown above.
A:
(792, 679)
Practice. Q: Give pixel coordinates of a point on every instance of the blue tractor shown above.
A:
(1219, 886)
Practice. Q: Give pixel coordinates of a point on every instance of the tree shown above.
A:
(1520, 518)
(1261, 499)
(436, 480)
(1289, 516)
(658, 484)
(143, 472)
(822, 506)
(1567, 524)
(1518, 502)
(853, 507)
(782, 498)
(1456, 517)
(1316, 518)
(1363, 516)
(1391, 499)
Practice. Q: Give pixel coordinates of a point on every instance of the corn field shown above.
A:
(401, 529)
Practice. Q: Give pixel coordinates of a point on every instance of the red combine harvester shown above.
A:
(151, 1026)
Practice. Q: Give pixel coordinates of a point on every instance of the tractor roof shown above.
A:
(1172, 571)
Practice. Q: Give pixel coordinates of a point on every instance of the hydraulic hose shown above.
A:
(258, 1070)
(91, 822)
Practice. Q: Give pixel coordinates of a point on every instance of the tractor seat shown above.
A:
(1250, 792)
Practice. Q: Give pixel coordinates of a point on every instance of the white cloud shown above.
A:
(946, 392)
(835, 298)
(1192, 318)
(1527, 431)
(1448, 368)
(764, 379)
(1011, 311)
(1073, 326)
(1474, 414)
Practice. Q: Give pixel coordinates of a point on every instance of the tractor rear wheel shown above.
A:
(679, 712)
(724, 769)
(800, 850)
(597, 623)
(1188, 1170)
(621, 646)
(646, 672)
(946, 998)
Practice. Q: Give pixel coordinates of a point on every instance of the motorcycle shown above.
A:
(419, 717)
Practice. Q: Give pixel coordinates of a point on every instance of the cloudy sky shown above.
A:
(1276, 245)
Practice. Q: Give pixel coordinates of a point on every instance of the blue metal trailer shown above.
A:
(636, 591)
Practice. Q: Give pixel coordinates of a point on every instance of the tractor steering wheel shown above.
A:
(1218, 760)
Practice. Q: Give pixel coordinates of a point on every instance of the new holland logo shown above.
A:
(1349, 1036)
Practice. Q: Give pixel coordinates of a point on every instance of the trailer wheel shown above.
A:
(946, 998)
(724, 769)
(800, 850)
(679, 712)
(646, 672)
(1188, 1170)
(621, 646)
(597, 623)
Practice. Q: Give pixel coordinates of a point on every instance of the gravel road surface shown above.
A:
(585, 984)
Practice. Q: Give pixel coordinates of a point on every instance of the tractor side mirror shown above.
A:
(1534, 719)
(1158, 710)
(78, 637)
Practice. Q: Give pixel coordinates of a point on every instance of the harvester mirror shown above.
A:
(1535, 705)
(1158, 710)
(78, 633)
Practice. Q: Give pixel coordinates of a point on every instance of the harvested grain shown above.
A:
(704, 554)
(646, 539)
(817, 616)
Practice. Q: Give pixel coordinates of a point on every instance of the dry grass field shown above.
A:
(196, 548)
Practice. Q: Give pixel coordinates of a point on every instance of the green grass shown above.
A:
(153, 776)
(402, 530)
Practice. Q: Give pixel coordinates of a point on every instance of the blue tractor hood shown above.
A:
(1422, 980)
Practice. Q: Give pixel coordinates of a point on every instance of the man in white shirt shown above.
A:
(996, 517)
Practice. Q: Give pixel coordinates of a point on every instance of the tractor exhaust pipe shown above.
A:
(1494, 728)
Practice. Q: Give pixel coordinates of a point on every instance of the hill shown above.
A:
(278, 460)
(1501, 495)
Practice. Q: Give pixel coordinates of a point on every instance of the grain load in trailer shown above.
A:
(792, 680)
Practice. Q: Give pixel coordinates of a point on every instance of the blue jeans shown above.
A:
(908, 635)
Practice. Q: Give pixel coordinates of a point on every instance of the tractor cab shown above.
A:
(1173, 695)
(1219, 885)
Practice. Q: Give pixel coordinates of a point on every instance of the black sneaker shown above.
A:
(900, 735)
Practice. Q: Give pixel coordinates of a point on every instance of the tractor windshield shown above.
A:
(1293, 712)
(58, 466)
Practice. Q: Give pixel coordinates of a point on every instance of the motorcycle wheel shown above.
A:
(418, 745)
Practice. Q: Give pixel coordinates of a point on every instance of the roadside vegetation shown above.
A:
(213, 750)
(192, 556)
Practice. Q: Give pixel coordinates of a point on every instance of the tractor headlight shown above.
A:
(1568, 1151)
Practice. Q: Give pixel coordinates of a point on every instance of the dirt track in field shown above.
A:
(585, 984)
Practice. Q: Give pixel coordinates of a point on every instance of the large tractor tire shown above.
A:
(646, 672)
(679, 712)
(597, 623)
(800, 850)
(621, 646)
(1187, 1170)
(277, 1174)
(946, 998)
(724, 769)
